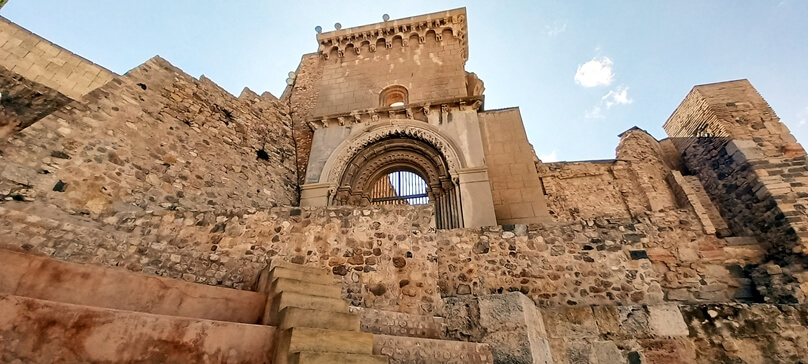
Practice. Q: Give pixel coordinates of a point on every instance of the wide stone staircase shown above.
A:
(52, 311)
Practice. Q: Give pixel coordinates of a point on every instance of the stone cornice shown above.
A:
(355, 38)
(413, 111)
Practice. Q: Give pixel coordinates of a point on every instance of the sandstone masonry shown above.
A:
(152, 199)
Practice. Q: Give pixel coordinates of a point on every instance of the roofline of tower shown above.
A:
(453, 20)
(392, 23)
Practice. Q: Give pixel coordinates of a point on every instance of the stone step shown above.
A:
(400, 324)
(42, 331)
(34, 276)
(293, 299)
(291, 317)
(270, 274)
(405, 350)
(308, 357)
(300, 339)
(293, 285)
(303, 268)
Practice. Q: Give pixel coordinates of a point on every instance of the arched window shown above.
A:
(399, 187)
(393, 96)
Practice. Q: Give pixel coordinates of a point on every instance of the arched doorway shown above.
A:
(375, 175)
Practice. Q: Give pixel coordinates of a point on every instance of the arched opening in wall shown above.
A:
(400, 187)
(401, 170)
(394, 96)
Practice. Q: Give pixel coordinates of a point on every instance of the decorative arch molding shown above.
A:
(334, 168)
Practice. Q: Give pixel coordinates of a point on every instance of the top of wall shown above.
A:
(730, 110)
(44, 62)
(385, 32)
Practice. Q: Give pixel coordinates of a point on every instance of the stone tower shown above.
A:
(396, 96)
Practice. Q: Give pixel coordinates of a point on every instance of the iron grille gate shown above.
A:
(399, 188)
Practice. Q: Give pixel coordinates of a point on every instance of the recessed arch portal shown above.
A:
(359, 184)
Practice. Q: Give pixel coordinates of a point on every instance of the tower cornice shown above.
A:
(354, 38)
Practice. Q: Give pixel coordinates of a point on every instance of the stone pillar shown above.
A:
(476, 199)
(314, 194)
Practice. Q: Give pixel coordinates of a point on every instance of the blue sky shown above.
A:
(581, 71)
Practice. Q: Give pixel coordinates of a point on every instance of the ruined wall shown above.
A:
(302, 98)
(634, 334)
(515, 187)
(23, 102)
(384, 257)
(721, 333)
(754, 172)
(46, 63)
(648, 161)
(664, 256)
(154, 139)
(731, 109)
(432, 70)
(391, 258)
(585, 190)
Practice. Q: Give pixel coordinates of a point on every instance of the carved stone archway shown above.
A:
(401, 153)
(412, 146)
(335, 166)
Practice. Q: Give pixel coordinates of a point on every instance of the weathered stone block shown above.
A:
(666, 321)
(404, 350)
(570, 322)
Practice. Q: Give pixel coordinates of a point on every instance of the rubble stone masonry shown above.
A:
(155, 138)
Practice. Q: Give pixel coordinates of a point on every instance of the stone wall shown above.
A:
(649, 163)
(634, 334)
(663, 256)
(721, 333)
(515, 186)
(385, 257)
(155, 138)
(23, 102)
(432, 70)
(754, 171)
(392, 259)
(302, 98)
(731, 109)
(41, 61)
(586, 190)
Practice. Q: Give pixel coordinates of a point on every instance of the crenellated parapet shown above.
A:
(402, 32)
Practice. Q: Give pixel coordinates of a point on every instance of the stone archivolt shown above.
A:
(338, 163)
(387, 156)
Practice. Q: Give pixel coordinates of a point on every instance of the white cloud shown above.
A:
(597, 72)
(595, 113)
(550, 157)
(802, 116)
(552, 30)
(618, 96)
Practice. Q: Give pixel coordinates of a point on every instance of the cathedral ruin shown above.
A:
(378, 212)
